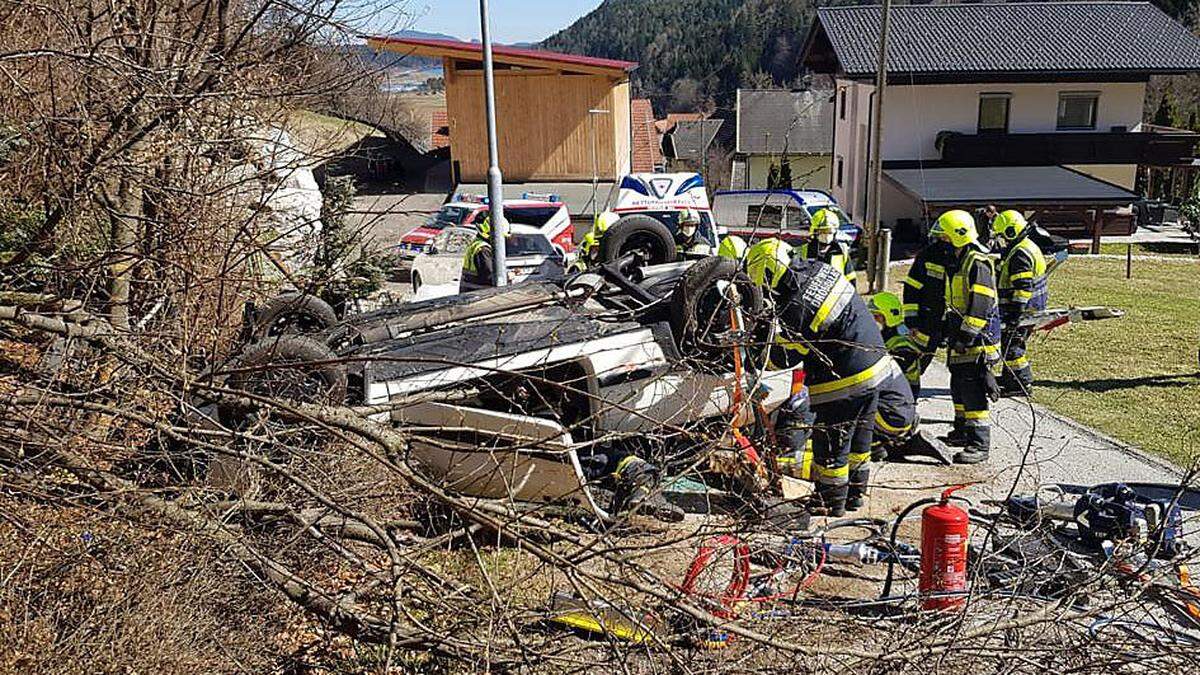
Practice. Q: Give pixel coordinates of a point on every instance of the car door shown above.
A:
(445, 266)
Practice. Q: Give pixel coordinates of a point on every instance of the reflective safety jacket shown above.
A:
(836, 255)
(973, 315)
(822, 317)
(1022, 285)
(474, 270)
(924, 294)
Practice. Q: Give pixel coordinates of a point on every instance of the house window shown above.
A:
(1077, 109)
(842, 103)
(993, 113)
(839, 172)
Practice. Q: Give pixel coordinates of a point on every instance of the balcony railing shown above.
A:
(1047, 149)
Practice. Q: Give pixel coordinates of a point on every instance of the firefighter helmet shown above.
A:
(768, 257)
(887, 306)
(1009, 224)
(732, 247)
(958, 227)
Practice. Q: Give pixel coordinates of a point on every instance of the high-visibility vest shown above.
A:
(836, 255)
(1023, 276)
(469, 267)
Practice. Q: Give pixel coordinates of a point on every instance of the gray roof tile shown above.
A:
(1019, 37)
(769, 121)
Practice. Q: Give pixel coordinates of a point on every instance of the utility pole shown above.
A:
(494, 178)
(877, 259)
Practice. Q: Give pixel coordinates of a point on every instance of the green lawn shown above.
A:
(1135, 378)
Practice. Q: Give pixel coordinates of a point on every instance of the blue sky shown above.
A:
(512, 20)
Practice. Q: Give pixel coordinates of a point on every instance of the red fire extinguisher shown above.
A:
(943, 554)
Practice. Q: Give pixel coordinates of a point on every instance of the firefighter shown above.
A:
(589, 248)
(823, 321)
(897, 432)
(689, 238)
(823, 244)
(478, 263)
(1022, 289)
(972, 329)
(924, 302)
(889, 315)
(733, 247)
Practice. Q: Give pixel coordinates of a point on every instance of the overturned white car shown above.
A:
(511, 392)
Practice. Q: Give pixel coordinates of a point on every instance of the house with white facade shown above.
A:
(1036, 106)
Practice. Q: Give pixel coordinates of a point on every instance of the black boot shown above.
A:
(971, 455)
(956, 438)
(830, 500)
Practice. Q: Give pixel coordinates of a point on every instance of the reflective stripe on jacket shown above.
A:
(924, 294)
(470, 268)
(820, 310)
(836, 255)
(971, 296)
(1022, 284)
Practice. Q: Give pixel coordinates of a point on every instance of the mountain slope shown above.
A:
(695, 48)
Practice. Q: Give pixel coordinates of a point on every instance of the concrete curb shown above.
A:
(1125, 448)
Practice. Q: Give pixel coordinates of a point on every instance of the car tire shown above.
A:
(292, 367)
(698, 309)
(416, 282)
(639, 232)
(293, 314)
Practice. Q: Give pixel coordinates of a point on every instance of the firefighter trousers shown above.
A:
(842, 448)
(1018, 372)
(972, 414)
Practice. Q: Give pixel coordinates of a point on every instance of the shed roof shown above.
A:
(690, 139)
(1007, 184)
(1063, 38)
(770, 121)
(473, 51)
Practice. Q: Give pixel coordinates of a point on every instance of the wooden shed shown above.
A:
(560, 117)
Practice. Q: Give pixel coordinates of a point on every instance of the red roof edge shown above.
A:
(499, 52)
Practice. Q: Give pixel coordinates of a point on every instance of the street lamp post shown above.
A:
(494, 178)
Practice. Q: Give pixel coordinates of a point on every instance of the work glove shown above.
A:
(990, 385)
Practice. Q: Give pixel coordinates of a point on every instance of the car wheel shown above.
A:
(639, 233)
(700, 310)
(293, 314)
(416, 282)
(291, 367)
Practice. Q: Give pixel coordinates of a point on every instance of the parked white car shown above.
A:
(437, 272)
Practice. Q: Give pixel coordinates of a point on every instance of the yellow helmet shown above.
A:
(605, 220)
(1009, 224)
(888, 307)
(958, 227)
(732, 247)
(689, 217)
(768, 256)
(824, 221)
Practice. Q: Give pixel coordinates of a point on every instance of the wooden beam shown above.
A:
(467, 53)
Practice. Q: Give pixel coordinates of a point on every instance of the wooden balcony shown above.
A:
(1147, 148)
